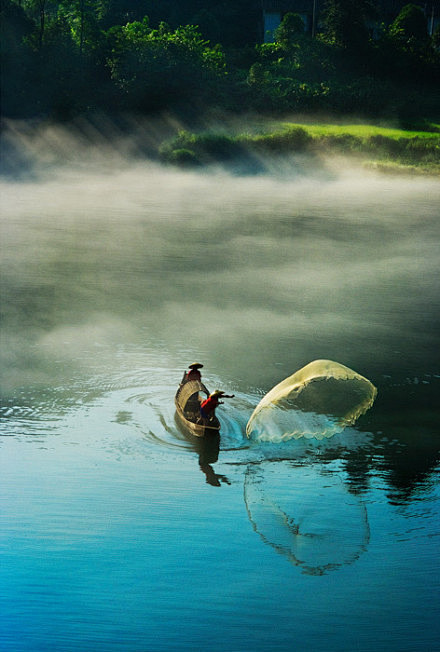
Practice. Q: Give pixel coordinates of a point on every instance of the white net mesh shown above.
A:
(317, 401)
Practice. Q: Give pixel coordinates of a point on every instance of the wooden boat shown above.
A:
(187, 401)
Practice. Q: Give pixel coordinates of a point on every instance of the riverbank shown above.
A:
(411, 151)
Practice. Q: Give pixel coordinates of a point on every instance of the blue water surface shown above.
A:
(121, 532)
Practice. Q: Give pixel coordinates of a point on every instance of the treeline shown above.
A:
(62, 58)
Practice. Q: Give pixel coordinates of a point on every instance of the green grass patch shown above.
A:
(363, 131)
(371, 144)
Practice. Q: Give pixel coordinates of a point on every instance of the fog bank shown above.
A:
(104, 249)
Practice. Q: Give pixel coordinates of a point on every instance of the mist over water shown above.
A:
(343, 268)
(116, 273)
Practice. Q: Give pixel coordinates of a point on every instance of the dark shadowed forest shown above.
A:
(60, 59)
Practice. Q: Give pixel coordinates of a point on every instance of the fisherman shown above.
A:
(193, 373)
(207, 408)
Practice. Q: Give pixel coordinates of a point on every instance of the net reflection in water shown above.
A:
(305, 515)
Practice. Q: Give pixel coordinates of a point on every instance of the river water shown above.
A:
(120, 532)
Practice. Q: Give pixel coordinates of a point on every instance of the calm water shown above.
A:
(121, 533)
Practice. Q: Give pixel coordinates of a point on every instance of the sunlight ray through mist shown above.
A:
(124, 250)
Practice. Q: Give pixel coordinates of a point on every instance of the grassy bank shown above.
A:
(388, 149)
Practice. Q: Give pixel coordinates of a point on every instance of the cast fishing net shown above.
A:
(317, 401)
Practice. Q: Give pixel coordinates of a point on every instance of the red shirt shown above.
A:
(193, 374)
(210, 404)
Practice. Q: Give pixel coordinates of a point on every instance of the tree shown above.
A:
(291, 27)
(410, 25)
(233, 23)
(345, 22)
(15, 59)
(404, 52)
(38, 9)
(157, 67)
(83, 18)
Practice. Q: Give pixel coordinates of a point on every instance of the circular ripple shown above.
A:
(153, 413)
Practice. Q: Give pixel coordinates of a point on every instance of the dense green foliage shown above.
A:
(345, 22)
(61, 58)
(410, 25)
(161, 67)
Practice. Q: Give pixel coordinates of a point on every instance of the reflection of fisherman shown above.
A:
(207, 408)
(208, 448)
(193, 373)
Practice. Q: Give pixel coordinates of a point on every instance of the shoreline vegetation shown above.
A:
(71, 61)
(384, 149)
(253, 144)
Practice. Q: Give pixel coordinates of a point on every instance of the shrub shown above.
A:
(183, 157)
(294, 139)
(217, 146)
